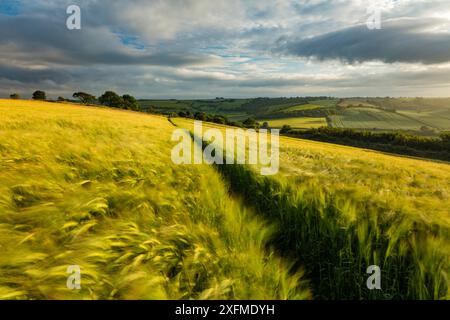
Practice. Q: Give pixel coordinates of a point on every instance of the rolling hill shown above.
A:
(95, 187)
(372, 118)
(423, 116)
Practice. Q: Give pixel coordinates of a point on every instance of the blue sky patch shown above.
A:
(130, 41)
(10, 7)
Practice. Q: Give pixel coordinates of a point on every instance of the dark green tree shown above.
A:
(130, 103)
(251, 123)
(200, 116)
(286, 129)
(39, 95)
(445, 136)
(15, 96)
(150, 109)
(84, 97)
(219, 119)
(111, 99)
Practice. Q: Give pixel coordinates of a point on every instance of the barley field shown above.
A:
(341, 209)
(95, 187)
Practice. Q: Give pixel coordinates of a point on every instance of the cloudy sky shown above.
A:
(229, 48)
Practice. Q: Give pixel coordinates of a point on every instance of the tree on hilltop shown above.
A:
(111, 99)
(39, 95)
(130, 103)
(84, 97)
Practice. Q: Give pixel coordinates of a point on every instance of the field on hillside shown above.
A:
(301, 108)
(341, 209)
(355, 103)
(215, 106)
(416, 104)
(371, 118)
(96, 188)
(328, 103)
(431, 112)
(296, 123)
(422, 116)
(437, 119)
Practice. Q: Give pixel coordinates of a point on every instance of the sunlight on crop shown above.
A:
(96, 188)
(341, 209)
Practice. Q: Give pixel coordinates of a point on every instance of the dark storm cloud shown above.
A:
(46, 40)
(26, 75)
(204, 48)
(403, 40)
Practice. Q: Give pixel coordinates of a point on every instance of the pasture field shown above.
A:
(355, 102)
(236, 116)
(327, 103)
(437, 119)
(296, 123)
(431, 112)
(164, 105)
(415, 104)
(371, 118)
(341, 209)
(215, 106)
(96, 187)
(301, 108)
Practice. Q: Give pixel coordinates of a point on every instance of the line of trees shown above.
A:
(219, 119)
(395, 142)
(85, 98)
(113, 100)
(109, 98)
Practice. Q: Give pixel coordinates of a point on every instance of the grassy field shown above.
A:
(437, 119)
(301, 108)
(296, 123)
(95, 187)
(214, 106)
(327, 103)
(355, 103)
(416, 104)
(341, 209)
(431, 112)
(371, 118)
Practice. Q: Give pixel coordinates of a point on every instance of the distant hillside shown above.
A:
(423, 116)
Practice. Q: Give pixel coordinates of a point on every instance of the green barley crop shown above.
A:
(339, 210)
(96, 188)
